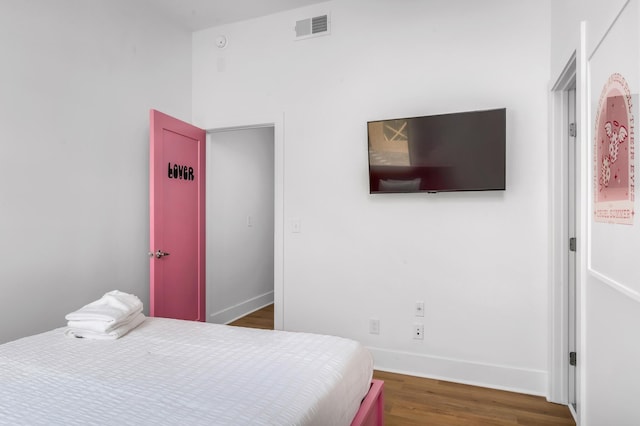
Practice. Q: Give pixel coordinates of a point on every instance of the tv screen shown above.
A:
(462, 151)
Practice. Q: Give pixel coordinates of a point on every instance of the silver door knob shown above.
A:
(158, 254)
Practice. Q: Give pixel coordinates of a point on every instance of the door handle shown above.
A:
(158, 254)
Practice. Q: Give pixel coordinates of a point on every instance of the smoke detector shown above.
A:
(221, 41)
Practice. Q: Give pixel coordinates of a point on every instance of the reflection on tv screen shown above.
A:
(449, 152)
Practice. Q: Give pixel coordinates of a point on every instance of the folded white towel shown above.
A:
(112, 308)
(103, 326)
(116, 333)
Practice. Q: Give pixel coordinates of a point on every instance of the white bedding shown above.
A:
(182, 372)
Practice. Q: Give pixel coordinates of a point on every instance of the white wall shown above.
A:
(478, 260)
(240, 222)
(76, 84)
(609, 310)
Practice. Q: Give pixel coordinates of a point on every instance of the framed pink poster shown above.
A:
(613, 153)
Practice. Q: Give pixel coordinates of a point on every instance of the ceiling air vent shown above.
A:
(312, 27)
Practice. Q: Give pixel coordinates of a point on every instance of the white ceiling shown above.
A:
(200, 14)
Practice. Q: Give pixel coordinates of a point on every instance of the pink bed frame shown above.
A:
(372, 408)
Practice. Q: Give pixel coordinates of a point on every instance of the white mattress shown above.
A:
(182, 372)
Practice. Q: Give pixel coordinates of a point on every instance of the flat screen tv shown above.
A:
(463, 151)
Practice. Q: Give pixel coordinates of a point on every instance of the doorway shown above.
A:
(240, 221)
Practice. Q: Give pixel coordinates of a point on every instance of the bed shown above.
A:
(189, 373)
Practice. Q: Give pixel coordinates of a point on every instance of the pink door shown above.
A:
(177, 200)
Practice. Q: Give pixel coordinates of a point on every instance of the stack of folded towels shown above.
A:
(110, 317)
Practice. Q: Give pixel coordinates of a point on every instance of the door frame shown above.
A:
(275, 121)
(558, 244)
(573, 76)
(559, 233)
(572, 223)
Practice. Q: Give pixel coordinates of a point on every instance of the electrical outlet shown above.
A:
(374, 326)
(418, 331)
(419, 308)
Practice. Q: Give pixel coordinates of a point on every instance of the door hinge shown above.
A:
(573, 358)
(572, 130)
(572, 244)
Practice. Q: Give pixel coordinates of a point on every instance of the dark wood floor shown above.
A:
(417, 401)
(262, 318)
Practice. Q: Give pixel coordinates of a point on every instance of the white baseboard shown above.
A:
(532, 382)
(232, 313)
